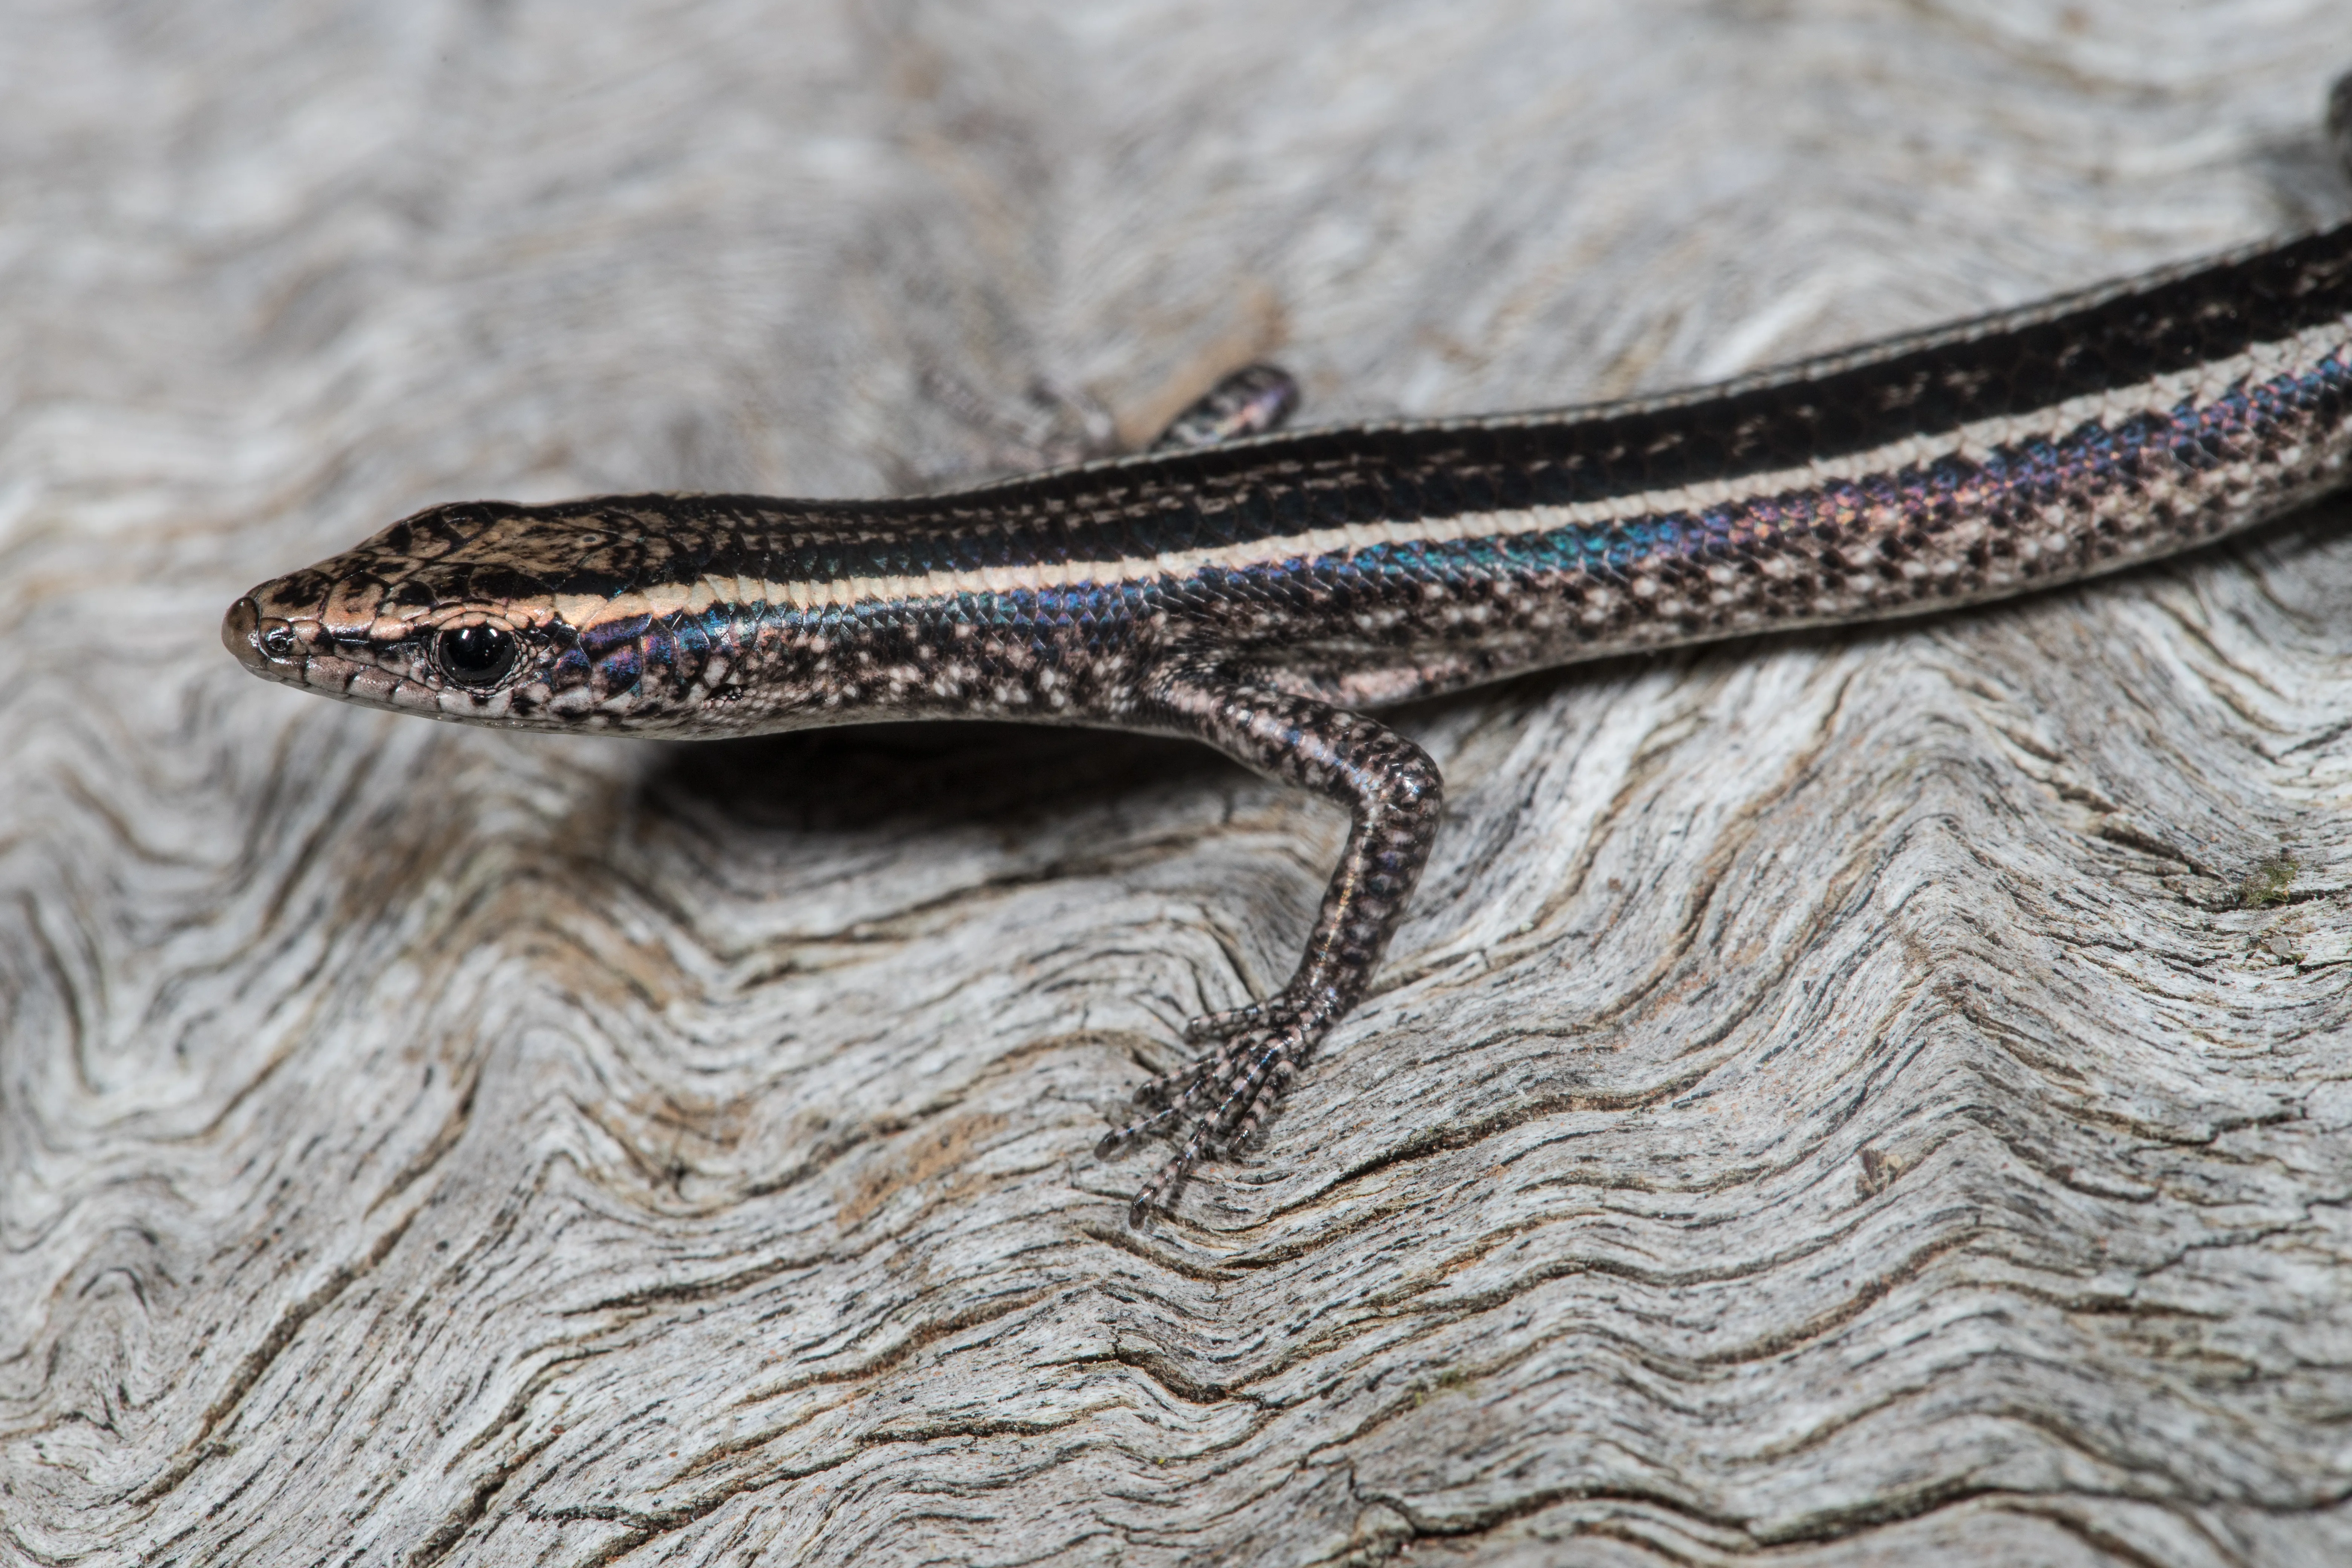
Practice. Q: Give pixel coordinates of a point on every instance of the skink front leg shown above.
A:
(1394, 795)
(1255, 400)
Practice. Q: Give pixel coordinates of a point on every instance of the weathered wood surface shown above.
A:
(1879, 1096)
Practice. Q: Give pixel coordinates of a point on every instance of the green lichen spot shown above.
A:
(2267, 883)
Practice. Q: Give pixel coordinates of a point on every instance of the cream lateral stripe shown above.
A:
(1973, 441)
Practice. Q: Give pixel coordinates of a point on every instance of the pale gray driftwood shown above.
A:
(1863, 1097)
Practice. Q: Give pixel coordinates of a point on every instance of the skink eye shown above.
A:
(474, 655)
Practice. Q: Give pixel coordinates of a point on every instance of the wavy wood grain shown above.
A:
(1850, 1099)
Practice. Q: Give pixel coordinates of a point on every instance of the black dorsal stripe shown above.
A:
(2010, 365)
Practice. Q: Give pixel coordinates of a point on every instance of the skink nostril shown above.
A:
(257, 640)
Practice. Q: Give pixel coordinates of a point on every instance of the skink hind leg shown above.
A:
(1222, 1099)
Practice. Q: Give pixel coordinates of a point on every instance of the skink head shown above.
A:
(546, 617)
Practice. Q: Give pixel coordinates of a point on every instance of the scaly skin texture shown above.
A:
(1256, 593)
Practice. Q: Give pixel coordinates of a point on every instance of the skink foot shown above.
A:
(1220, 1101)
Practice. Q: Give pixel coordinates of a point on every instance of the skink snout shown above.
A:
(263, 644)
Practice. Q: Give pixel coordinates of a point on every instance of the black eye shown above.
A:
(277, 640)
(474, 655)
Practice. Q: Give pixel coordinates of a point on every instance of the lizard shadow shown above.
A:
(915, 777)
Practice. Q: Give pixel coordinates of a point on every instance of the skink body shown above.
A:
(1261, 593)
